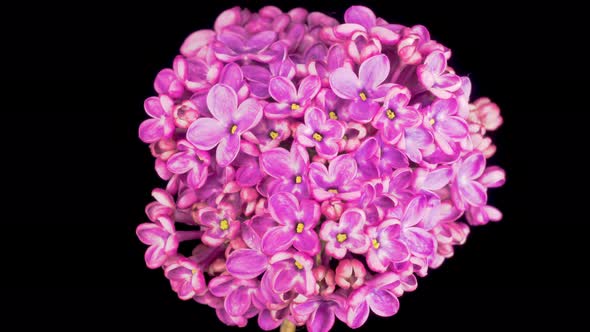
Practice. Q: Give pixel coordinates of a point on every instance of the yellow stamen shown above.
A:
(390, 114)
(333, 191)
(233, 129)
(298, 179)
(299, 228)
(431, 122)
(224, 225)
(341, 237)
(317, 137)
(194, 271)
(295, 107)
(363, 96)
(376, 244)
(273, 134)
(333, 115)
(298, 265)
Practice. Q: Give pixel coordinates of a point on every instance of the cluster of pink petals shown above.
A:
(316, 168)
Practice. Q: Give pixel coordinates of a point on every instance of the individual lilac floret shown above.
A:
(447, 127)
(291, 102)
(186, 278)
(219, 226)
(386, 247)
(292, 271)
(296, 225)
(395, 115)
(289, 169)
(434, 76)
(346, 235)
(377, 295)
(336, 182)
(466, 189)
(192, 161)
(320, 132)
(365, 90)
(362, 19)
(161, 124)
(227, 125)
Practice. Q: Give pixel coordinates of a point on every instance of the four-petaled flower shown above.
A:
(288, 168)
(336, 182)
(395, 115)
(365, 90)
(346, 235)
(320, 132)
(296, 225)
(186, 278)
(291, 102)
(227, 125)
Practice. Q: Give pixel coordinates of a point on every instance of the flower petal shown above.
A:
(205, 133)
(343, 168)
(453, 126)
(357, 315)
(282, 89)
(360, 15)
(227, 150)
(246, 263)
(237, 302)
(151, 130)
(374, 71)
(345, 83)
(321, 320)
(473, 166)
(420, 242)
(383, 303)
(277, 239)
(248, 115)
(277, 163)
(308, 88)
(222, 101)
(283, 208)
(307, 242)
(438, 178)
(474, 193)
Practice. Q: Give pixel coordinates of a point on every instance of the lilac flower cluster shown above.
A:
(316, 168)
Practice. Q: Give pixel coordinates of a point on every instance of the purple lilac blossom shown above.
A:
(317, 168)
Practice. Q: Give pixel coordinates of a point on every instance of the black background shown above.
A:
(77, 177)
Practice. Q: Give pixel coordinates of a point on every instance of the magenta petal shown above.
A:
(246, 263)
(454, 127)
(261, 40)
(474, 193)
(227, 150)
(343, 167)
(374, 71)
(222, 101)
(266, 321)
(309, 88)
(180, 163)
(360, 15)
(345, 84)
(419, 241)
(383, 303)
(438, 178)
(151, 130)
(193, 43)
(277, 163)
(237, 302)
(473, 166)
(436, 62)
(155, 257)
(282, 207)
(307, 242)
(315, 118)
(358, 315)
(321, 320)
(248, 115)
(385, 35)
(284, 280)
(205, 133)
(277, 239)
(282, 89)
(347, 29)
